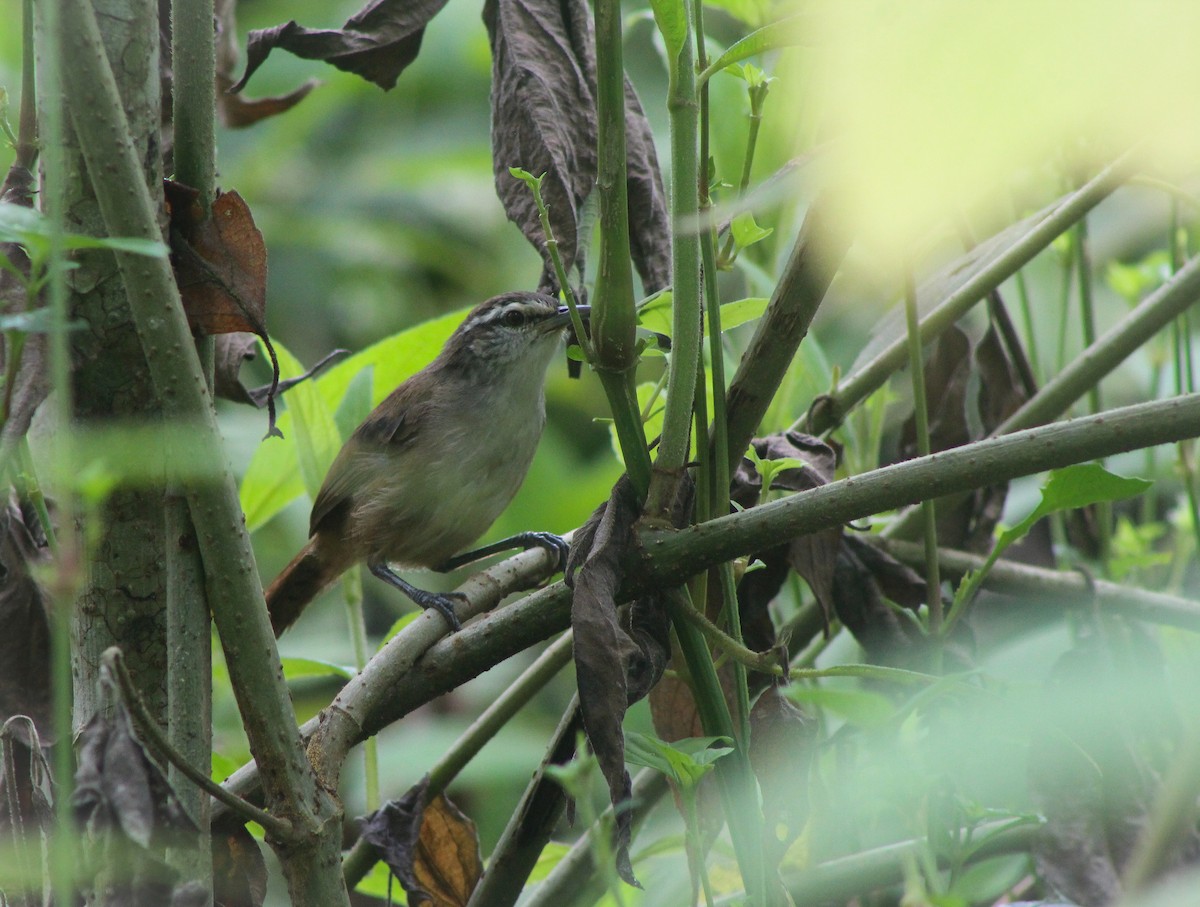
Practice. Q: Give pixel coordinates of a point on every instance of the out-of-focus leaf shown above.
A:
(861, 707)
(684, 762)
(239, 870)
(30, 228)
(433, 848)
(746, 232)
(297, 668)
(377, 43)
(25, 643)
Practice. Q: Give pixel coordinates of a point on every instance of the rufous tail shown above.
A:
(299, 583)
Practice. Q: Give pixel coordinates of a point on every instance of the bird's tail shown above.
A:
(299, 583)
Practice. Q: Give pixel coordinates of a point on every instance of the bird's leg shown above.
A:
(442, 602)
(553, 544)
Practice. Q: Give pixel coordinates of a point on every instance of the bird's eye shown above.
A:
(513, 318)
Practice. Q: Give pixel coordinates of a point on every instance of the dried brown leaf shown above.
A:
(377, 43)
(432, 848)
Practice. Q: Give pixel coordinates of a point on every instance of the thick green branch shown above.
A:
(235, 593)
(671, 557)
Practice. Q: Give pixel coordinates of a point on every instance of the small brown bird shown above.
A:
(430, 469)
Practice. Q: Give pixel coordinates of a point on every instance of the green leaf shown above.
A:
(1133, 281)
(526, 177)
(31, 228)
(37, 321)
(1075, 486)
(356, 405)
(317, 436)
(671, 18)
(297, 668)
(401, 622)
(746, 232)
(379, 882)
(272, 479)
(860, 707)
(784, 33)
(685, 762)
(550, 857)
(655, 313)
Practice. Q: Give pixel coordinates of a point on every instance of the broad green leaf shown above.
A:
(356, 405)
(297, 668)
(784, 33)
(317, 437)
(272, 479)
(671, 18)
(746, 232)
(655, 314)
(1075, 486)
(742, 311)
(752, 12)
(861, 707)
(379, 882)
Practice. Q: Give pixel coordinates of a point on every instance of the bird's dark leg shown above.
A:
(442, 602)
(555, 545)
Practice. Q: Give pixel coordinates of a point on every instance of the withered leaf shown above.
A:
(616, 661)
(239, 870)
(118, 786)
(432, 848)
(544, 121)
(858, 599)
(236, 110)
(377, 43)
(221, 268)
(25, 643)
(956, 417)
(782, 741)
(649, 223)
(543, 116)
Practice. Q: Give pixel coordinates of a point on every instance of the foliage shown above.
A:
(821, 731)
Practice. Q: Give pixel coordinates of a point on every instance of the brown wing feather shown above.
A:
(391, 425)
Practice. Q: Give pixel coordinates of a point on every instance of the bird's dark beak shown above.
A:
(562, 318)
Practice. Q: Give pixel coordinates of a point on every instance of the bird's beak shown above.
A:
(562, 318)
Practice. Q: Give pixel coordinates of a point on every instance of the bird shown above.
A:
(434, 464)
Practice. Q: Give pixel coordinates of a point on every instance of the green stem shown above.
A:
(916, 367)
(352, 593)
(614, 316)
(686, 333)
(735, 777)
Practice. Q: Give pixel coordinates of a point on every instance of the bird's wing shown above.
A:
(390, 426)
